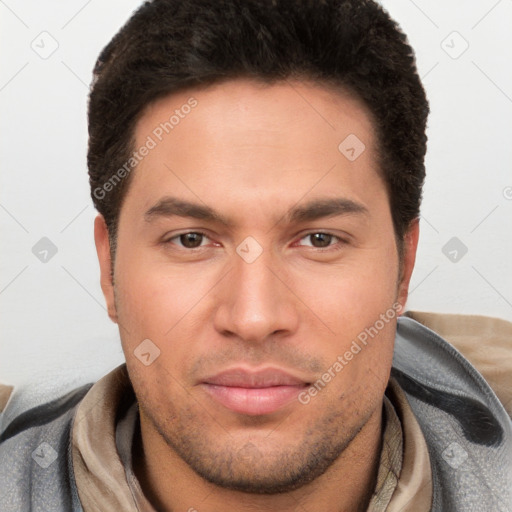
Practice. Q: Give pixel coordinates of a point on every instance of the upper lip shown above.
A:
(244, 378)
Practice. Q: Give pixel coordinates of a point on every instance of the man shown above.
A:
(257, 167)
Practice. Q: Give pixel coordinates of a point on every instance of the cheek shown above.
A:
(153, 298)
(160, 307)
(350, 299)
(351, 295)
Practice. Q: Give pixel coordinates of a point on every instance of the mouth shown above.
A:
(254, 393)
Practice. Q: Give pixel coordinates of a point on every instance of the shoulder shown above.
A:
(486, 342)
(467, 430)
(34, 455)
(19, 421)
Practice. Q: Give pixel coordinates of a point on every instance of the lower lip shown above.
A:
(253, 401)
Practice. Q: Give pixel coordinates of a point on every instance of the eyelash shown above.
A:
(334, 247)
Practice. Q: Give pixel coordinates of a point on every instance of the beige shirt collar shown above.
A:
(413, 490)
(403, 480)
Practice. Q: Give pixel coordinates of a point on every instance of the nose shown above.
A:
(255, 303)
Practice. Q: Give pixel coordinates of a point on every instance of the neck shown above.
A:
(171, 485)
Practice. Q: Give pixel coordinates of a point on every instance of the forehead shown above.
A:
(237, 107)
(267, 142)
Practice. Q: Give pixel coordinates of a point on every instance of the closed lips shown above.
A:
(253, 393)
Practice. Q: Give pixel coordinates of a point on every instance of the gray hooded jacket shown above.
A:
(467, 431)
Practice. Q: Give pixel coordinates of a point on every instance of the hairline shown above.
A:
(329, 84)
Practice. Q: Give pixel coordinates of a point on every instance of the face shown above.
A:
(253, 251)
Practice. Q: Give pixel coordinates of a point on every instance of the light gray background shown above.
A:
(53, 319)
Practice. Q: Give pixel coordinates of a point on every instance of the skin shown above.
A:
(252, 152)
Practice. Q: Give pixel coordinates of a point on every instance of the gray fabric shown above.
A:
(468, 433)
(35, 468)
(467, 475)
(45, 388)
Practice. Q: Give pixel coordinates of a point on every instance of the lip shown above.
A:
(253, 392)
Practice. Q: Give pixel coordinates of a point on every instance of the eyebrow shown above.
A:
(316, 209)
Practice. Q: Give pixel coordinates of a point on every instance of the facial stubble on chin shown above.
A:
(259, 466)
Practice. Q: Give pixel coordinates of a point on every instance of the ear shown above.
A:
(409, 257)
(101, 239)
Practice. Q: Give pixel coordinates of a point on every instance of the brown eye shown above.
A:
(320, 239)
(190, 240)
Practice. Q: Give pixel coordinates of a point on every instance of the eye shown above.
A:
(190, 240)
(321, 240)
